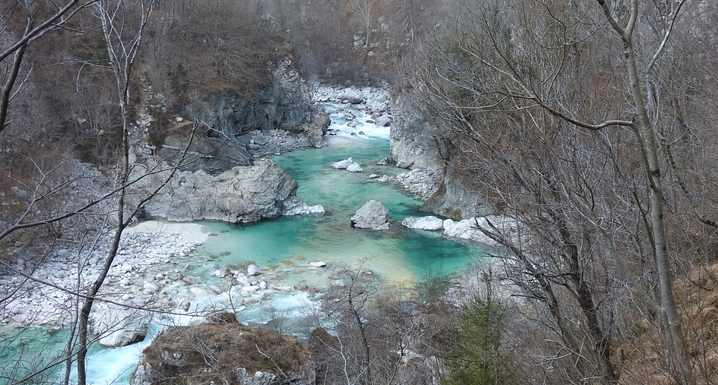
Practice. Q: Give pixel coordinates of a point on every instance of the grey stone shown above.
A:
(117, 325)
(253, 270)
(429, 223)
(240, 195)
(373, 215)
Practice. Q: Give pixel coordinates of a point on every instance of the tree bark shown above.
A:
(646, 134)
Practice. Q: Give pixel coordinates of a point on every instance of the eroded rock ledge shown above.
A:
(241, 195)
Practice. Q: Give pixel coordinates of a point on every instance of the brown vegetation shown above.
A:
(214, 352)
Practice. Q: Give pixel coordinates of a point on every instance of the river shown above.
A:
(284, 247)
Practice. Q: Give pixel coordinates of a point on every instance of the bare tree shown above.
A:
(558, 112)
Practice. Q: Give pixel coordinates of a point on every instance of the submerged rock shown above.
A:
(253, 270)
(348, 164)
(373, 215)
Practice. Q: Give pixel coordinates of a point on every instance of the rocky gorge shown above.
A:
(242, 194)
(152, 268)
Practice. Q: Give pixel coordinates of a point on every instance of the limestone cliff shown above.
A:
(284, 104)
(413, 139)
(418, 143)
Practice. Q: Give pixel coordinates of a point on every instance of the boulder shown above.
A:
(117, 325)
(348, 164)
(429, 223)
(354, 167)
(240, 195)
(342, 164)
(373, 215)
(317, 264)
(253, 270)
(383, 121)
(467, 229)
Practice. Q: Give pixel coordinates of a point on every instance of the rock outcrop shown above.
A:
(454, 199)
(239, 355)
(422, 182)
(413, 139)
(373, 215)
(417, 144)
(240, 195)
(285, 104)
(211, 155)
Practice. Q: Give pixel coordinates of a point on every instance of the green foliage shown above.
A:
(480, 358)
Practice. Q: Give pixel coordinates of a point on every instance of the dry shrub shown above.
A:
(214, 352)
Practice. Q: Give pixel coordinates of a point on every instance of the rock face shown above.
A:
(373, 215)
(117, 325)
(240, 195)
(422, 182)
(415, 144)
(413, 139)
(455, 200)
(284, 105)
(213, 155)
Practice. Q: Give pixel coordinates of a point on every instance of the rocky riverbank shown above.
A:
(153, 268)
(48, 296)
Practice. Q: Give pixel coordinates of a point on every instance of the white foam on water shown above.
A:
(363, 128)
(116, 365)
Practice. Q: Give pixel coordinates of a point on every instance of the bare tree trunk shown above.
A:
(649, 149)
(122, 59)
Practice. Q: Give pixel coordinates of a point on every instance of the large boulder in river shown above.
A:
(240, 195)
(117, 325)
(347, 164)
(373, 215)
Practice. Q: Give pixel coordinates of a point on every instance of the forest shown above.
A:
(591, 124)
